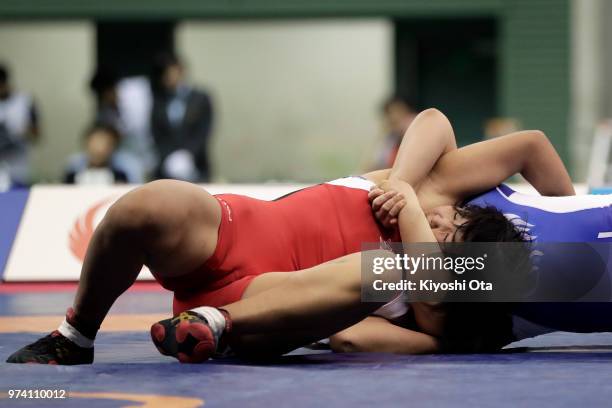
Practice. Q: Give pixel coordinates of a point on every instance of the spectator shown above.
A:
(104, 86)
(125, 104)
(101, 142)
(181, 122)
(398, 115)
(18, 131)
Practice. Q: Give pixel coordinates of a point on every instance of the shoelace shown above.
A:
(187, 316)
(55, 339)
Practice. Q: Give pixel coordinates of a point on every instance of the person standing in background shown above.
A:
(181, 122)
(18, 131)
(103, 84)
(398, 115)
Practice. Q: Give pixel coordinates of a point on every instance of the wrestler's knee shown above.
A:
(140, 210)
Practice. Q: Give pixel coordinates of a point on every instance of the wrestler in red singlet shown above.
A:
(300, 230)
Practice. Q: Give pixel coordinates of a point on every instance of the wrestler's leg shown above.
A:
(300, 308)
(170, 226)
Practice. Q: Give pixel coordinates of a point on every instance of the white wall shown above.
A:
(588, 57)
(295, 100)
(53, 62)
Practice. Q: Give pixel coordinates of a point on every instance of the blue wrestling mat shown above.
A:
(561, 370)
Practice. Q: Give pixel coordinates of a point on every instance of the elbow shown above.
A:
(342, 343)
(537, 133)
(538, 146)
(436, 117)
(534, 144)
(432, 112)
(537, 137)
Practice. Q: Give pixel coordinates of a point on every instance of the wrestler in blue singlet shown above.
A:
(577, 268)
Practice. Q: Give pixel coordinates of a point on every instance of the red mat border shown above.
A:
(37, 287)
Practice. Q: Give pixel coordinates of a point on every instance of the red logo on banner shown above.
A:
(83, 229)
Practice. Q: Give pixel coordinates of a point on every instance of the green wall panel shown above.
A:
(144, 9)
(534, 66)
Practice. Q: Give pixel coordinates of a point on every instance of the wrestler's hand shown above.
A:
(388, 199)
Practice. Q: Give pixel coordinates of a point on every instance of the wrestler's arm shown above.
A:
(482, 166)
(375, 334)
(429, 136)
(414, 228)
(412, 223)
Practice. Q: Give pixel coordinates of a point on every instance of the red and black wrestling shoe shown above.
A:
(188, 337)
(53, 349)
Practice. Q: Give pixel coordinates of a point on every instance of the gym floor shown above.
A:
(554, 370)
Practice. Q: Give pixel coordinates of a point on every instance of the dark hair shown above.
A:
(4, 74)
(166, 59)
(399, 100)
(487, 224)
(102, 127)
(472, 327)
(476, 327)
(103, 79)
(161, 63)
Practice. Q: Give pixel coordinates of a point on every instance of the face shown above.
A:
(109, 96)
(100, 147)
(398, 118)
(172, 77)
(444, 221)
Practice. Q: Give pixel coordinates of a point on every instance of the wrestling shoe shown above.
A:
(53, 349)
(187, 337)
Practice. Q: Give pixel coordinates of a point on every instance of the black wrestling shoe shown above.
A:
(53, 349)
(187, 337)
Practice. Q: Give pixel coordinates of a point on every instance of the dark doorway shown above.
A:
(450, 64)
(130, 47)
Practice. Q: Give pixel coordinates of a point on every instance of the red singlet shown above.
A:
(300, 230)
